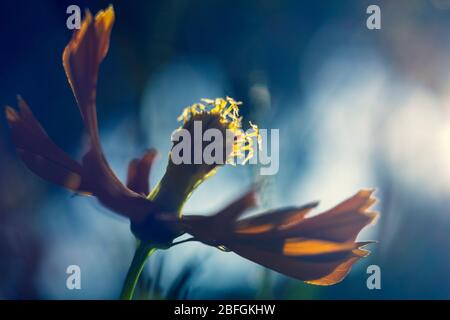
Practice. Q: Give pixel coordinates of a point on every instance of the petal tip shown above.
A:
(22, 103)
(106, 16)
(11, 114)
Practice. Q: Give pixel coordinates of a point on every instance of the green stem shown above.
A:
(143, 251)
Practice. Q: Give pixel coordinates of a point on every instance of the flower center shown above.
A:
(220, 116)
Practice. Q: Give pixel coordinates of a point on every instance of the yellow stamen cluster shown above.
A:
(227, 110)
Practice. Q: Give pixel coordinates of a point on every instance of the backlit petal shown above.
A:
(39, 153)
(139, 172)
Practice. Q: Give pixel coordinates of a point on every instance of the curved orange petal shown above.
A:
(320, 249)
(341, 223)
(40, 154)
(323, 270)
(274, 220)
(82, 57)
(341, 271)
(309, 247)
(81, 60)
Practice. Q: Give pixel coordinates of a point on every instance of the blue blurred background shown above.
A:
(355, 107)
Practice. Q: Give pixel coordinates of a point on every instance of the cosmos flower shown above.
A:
(319, 250)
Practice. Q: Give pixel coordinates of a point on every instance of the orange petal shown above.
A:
(324, 272)
(208, 229)
(81, 60)
(308, 247)
(104, 21)
(320, 250)
(139, 172)
(341, 271)
(255, 229)
(111, 192)
(361, 201)
(274, 220)
(337, 275)
(40, 153)
(342, 223)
